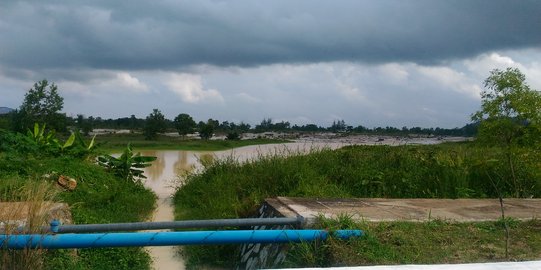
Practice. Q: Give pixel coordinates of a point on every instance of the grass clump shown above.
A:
(231, 189)
(38, 197)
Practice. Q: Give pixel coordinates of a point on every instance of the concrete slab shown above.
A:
(376, 209)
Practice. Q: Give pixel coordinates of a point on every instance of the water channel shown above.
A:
(166, 173)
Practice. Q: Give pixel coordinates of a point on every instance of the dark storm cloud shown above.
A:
(174, 34)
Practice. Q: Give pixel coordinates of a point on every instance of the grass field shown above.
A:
(454, 170)
(117, 142)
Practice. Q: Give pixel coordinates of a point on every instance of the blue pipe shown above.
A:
(96, 240)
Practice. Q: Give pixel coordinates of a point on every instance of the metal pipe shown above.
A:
(97, 240)
(184, 224)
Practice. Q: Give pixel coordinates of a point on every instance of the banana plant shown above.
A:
(69, 142)
(38, 135)
(80, 141)
(128, 166)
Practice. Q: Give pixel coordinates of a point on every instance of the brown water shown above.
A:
(166, 173)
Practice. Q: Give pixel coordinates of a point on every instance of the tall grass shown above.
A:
(32, 212)
(229, 188)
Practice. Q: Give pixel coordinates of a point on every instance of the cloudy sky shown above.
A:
(372, 63)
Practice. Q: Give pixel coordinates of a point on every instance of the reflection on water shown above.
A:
(155, 171)
(162, 176)
(185, 164)
(182, 166)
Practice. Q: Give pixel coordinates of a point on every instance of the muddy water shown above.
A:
(166, 173)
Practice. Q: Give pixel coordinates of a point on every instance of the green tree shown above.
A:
(244, 127)
(338, 126)
(206, 130)
(509, 117)
(510, 110)
(42, 104)
(184, 124)
(155, 123)
(5, 120)
(84, 124)
(265, 125)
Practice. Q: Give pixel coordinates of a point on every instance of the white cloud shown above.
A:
(483, 64)
(108, 82)
(247, 98)
(350, 92)
(125, 80)
(533, 75)
(396, 73)
(452, 79)
(189, 88)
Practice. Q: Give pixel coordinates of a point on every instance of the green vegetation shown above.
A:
(184, 124)
(154, 124)
(100, 197)
(510, 117)
(117, 143)
(128, 166)
(436, 171)
(42, 104)
(418, 243)
(49, 139)
(206, 130)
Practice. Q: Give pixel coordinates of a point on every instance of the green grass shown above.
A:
(100, 197)
(419, 243)
(117, 142)
(437, 171)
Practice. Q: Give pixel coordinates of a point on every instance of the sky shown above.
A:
(371, 63)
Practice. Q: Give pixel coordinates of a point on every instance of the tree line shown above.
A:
(155, 123)
(43, 104)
